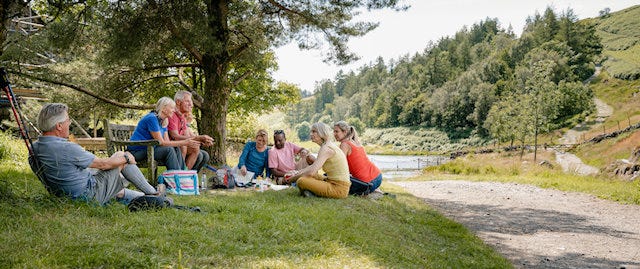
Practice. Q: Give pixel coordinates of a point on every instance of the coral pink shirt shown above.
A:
(177, 122)
(360, 166)
(284, 159)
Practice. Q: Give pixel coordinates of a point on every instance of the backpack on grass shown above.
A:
(224, 178)
(151, 202)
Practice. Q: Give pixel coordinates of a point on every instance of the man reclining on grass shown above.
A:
(64, 164)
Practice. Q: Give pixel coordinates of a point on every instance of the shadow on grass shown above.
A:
(238, 229)
(501, 222)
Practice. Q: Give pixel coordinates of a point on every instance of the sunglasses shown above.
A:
(278, 132)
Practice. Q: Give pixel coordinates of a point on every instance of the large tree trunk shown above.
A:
(214, 108)
(215, 65)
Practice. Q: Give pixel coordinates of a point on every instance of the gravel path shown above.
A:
(539, 228)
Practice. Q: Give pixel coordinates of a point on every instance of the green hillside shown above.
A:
(620, 33)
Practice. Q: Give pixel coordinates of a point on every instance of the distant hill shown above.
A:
(620, 33)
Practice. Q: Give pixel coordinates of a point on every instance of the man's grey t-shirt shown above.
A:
(65, 165)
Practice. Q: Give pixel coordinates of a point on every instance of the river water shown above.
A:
(401, 166)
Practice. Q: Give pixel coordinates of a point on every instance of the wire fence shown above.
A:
(400, 162)
(613, 131)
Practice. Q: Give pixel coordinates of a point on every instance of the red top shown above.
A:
(177, 122)
(360, 166)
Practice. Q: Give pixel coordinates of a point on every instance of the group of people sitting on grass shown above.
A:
(347, 169)
(65, 165)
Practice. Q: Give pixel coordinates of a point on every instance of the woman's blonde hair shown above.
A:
(350, 131)
(263, 133)
(323, 130)
(163, 102)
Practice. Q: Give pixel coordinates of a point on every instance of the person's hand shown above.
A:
(243, 170)
(289, 175)
(192, 143)
(132, 160)
(206, 140)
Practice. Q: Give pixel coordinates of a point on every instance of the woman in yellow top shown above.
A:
(332, 160)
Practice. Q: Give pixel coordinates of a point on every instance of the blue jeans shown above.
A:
(201, 161)
(171, 157)
(359, 189)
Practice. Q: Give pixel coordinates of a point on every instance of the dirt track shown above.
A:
(539, 228)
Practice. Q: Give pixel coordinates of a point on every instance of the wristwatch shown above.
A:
(126, 158)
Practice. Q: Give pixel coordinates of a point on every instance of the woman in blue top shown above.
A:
(255, 156)
(154, 126)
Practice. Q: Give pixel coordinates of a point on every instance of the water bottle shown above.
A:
(204, 182)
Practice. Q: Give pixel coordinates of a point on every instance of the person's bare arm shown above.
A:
(165, 141)
(175, 135)
(116, 160)
(323, 155)
(345, 148)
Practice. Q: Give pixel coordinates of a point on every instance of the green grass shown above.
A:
(238, 229)
(620, 34)
(508, 168)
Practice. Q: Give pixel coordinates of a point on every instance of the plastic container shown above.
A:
(203, 182)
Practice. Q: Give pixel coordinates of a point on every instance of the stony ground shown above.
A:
(539, 228)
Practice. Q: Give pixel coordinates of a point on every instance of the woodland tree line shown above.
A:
(483, 81)
(103, 57)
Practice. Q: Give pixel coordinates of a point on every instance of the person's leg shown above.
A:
(132, 173)
(128, 196)
(109, 183)
(183, 149)
(319, 187)
(170, 156)
(376, 182)
(203, 159)
(191, 157)
(139, 155)
(179, 157)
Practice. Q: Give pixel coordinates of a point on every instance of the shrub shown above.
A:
(303, 129)
(418, 139)
(12, 149)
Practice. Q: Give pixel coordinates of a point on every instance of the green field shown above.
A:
(237, 229)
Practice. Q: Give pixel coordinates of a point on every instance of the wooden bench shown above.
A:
(92, 144)
(117, 139)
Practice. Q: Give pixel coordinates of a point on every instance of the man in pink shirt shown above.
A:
(179, 130)
(282, 156)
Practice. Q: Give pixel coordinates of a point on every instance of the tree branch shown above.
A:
(174, 30)
(241, 77)
(151, 68)
(197, 99)
(82, 90)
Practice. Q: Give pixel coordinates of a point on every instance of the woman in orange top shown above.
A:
(360, 167)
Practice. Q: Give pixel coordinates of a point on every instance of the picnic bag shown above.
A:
(224, 178)
(180, 182)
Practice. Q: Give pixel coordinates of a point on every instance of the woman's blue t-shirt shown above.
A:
(255, 161)
(149, 123)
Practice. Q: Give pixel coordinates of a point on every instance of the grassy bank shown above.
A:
(238, 229)
(507, 167)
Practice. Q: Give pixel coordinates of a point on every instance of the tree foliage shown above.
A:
(475, 82)
(220, 50)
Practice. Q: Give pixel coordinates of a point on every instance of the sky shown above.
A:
(409, 32)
